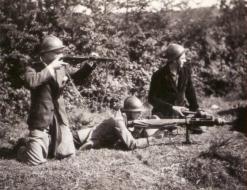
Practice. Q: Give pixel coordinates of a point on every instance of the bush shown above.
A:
(134, 42)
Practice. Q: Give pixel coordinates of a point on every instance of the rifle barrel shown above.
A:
(80, 59)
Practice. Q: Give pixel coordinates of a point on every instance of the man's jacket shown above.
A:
(46, 94)
(164, 92)
(47, 103)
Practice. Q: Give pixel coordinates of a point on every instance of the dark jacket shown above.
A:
(164, 93)
(46, 96)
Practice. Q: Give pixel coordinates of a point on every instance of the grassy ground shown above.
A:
(215, 160)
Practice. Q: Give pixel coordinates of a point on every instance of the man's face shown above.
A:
(48, 57)
(133, 115)
(181, 60)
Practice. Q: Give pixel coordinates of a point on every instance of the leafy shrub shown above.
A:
(135, 43)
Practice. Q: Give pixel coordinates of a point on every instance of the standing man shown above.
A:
(172, 85)
(117, 130)
(49, 135)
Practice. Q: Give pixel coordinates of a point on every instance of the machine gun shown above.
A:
(79, 59)
(188, 122)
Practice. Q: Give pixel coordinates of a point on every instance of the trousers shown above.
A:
(41, 144)
(36, 150)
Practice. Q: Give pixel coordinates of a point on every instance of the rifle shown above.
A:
(79, 59)
(188, 122)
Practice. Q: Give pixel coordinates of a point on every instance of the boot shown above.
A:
(88, 145)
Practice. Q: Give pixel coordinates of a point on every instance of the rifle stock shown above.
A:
(79, 59)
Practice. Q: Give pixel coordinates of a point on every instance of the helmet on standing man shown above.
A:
(51, 43)
(174, 51)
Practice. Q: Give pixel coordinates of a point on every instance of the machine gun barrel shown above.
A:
(163, 123)
(188, 123)
(79, 59)
(156, 123)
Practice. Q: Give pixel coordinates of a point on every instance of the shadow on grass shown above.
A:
(6, 153)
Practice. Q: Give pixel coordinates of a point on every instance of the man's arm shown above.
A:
(153, 98)
(34, 79)
(159, 103)
(78, 75)
(190, 93)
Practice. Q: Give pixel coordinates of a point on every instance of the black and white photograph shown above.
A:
(123, 94)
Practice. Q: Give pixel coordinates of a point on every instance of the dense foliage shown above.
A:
(215, 37)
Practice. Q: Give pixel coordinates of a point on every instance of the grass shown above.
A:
(222, 165)
(215, 160)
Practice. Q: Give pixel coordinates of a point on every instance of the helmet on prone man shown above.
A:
(132, 104)
(51, 43)
(174, 51)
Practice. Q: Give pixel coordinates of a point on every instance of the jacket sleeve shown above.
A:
(34, 79)
(153, 98)
(78, 75)
(191, 94)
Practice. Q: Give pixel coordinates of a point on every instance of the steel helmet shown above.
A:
(174, 51)
(51, 43)
(132, 104)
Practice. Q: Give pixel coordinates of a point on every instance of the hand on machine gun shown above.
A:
(180, 110)
(200, 113)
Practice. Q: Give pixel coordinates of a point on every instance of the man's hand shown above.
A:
(92, 64)
(57, 63)
(202, 113)
(180, 110)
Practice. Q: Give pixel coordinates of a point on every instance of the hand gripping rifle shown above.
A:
(188, 122)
